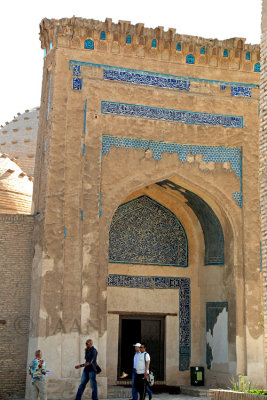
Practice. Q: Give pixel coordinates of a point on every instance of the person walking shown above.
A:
(37, 370)
(147, 361)
(142, 370)
(89, 372)
(134, 391)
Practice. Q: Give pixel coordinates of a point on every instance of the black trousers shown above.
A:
(140, 385)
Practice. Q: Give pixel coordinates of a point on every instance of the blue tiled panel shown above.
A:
(190, 59)
(203, 50)
(165, 76)
(222, 154)
(194, 118)
(143, 231)
(257, 67)
(225, 53)
(210, 224)
(179, 46)
(154, 43)
(128, 39)
(89, 44)
(103, 35)
(240, 91)
(77, 83)
(146, 79)
(76, 70)
(162, 282)
(248, 55)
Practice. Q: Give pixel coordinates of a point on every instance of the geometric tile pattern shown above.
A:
(187, 117)
(165, 282)
(240, 91)
(89, 44)
(143, 231)
(146, 79)
(157, 74)
(210, 224)
(237, 196)
(76, 70)
(77, 83)
(222, 154)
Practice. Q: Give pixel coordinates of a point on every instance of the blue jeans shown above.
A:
(86, 377)
(134, 391)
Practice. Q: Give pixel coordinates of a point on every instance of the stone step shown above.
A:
(119, 392)
(196, 391)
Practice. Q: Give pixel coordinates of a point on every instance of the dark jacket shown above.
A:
(91, 357)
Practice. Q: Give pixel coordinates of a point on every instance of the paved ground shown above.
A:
(166, 396)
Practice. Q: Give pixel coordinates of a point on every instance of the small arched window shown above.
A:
(154, 43)
(190, 59)
(225, 53)
(248, 55)
(257, 67)
(128, 39)
(103, 35)
(89, 44)
(51, 45)
(179, 46)
(203, 50)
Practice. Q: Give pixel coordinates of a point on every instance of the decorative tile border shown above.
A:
(162, 282)
(77, 84)
(222, 154)
(160, 75)
(143, 78)
(165, 114)
(240, 91)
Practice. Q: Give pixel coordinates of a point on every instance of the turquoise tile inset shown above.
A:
(221, 154)
(165, 282)
(187, 117)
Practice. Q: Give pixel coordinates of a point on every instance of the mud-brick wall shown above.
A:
(16, 252)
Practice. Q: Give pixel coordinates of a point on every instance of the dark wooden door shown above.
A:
(149, 330)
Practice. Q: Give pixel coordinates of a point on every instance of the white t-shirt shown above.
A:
(134, 360)
(140, 362)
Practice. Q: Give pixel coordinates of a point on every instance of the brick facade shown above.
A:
(16, 253)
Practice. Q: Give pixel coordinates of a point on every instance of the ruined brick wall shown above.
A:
(15, 269)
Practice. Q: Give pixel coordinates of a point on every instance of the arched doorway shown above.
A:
(166, 280)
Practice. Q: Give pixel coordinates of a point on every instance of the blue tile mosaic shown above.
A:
(225, 53)
(77, 83)
(190, 59)
(257, 67)
(240, 91)
(76, 70)
(179, 46)
(128, 39)
(89, 44)
(210, 224)
(103, 35)
(222, 154)
(154, 43)
(146, 79)
(144, 232)
(164, 282)
(203, 50)
(166, 76)
(248, 55)
(237, 196)
(187, 117)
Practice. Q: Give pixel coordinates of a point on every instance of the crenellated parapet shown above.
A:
(138, 41)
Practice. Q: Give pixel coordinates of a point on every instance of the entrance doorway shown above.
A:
(149, 330)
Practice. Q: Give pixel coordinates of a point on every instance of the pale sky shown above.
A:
(22, 57)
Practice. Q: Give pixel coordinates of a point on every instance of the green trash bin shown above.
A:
(197, 376)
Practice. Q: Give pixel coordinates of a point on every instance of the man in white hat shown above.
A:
(134, 391)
